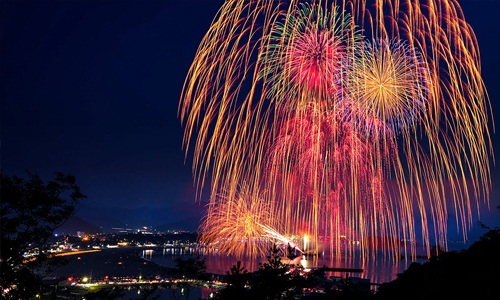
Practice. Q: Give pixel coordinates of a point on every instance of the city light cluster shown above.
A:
(347, 120)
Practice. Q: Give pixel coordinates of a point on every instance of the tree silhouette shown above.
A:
(237, 278)
(30, 211)
(274, 280)
(471, 273)
(191, 267)
(187, 269)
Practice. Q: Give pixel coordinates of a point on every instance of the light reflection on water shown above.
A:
(377, 270)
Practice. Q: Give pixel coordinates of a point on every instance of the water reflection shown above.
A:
(147, 254)
(377, 270)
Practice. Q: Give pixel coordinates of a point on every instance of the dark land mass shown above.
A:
(466, 274)
(472, 273)
(75, 224)
(99, 220)
(117, 262)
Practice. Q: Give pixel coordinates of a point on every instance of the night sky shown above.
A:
(91, 88)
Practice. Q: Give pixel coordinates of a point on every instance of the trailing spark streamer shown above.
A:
(239, 224)
(364, 120)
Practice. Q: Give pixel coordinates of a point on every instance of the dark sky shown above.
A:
(91, 88)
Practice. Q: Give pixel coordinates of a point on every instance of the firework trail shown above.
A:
(362, 121)
(234, 224)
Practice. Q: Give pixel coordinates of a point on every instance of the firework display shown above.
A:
(234, 224)
(357, 123)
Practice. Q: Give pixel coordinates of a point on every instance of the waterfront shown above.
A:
(150, 262)
(140, 272)
(149, 255)
(123, 268)
(378, 270)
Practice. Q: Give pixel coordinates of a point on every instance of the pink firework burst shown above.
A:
(306, 52)
(315, 60)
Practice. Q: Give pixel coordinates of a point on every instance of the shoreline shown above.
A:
(115, 262)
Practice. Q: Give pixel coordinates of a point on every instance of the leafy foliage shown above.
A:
(466, 273)
(237, 279)
(30, 211)
(187, 269)
(191, 267)
(471, 273)
(273, 280)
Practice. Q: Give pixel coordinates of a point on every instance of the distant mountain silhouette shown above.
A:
(189, 223)
(75, 224)
(184, 216)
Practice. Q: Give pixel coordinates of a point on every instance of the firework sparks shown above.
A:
(279, 238)
(388, 87)
(237, 224)
(305, 53)
(360, 119)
